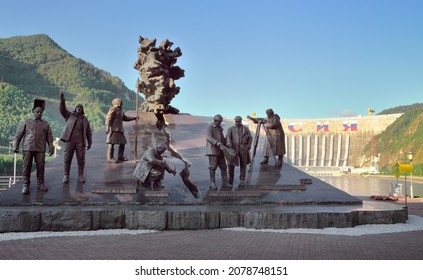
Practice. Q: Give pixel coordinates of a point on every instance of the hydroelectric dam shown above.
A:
(330, 142)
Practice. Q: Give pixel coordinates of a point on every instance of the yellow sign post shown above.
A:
(405, 168)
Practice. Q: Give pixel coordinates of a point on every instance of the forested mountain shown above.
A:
(401, 137)
(36, 67)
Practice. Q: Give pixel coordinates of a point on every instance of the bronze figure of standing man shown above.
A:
(77, 136)
(35, 134)
(214, 142)
(275, 141)
(239, 138)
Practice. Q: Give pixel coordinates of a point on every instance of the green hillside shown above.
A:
(401, 137)
(37, 67)
(402, 109)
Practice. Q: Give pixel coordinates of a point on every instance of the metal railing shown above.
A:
(8, 181)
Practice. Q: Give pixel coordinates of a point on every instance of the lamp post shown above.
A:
(410, 158)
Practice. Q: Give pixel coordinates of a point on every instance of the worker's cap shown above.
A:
(218, 117)
(39, 103)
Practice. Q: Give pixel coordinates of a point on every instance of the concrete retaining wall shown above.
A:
(94, 219)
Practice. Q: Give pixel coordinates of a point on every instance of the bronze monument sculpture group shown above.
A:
(226, 152)
(156, 66)
(220, 185)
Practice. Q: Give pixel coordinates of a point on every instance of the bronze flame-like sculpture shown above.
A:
(156, 66)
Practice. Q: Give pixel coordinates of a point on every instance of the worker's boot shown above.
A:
(225, 183)
(279, 163)
(212, 180)
(231, 174)
(110, 152)
(265, 160)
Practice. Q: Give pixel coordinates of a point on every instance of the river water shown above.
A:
(360, 185)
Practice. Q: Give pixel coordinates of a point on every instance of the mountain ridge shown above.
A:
(39, 68)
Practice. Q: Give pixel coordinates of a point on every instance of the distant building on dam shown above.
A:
(335, 142)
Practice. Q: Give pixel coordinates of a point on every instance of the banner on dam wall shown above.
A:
(372, 124)
(299, 126)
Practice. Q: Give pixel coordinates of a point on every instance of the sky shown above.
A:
(303, 58)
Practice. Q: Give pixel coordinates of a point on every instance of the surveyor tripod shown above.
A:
(260, 123)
